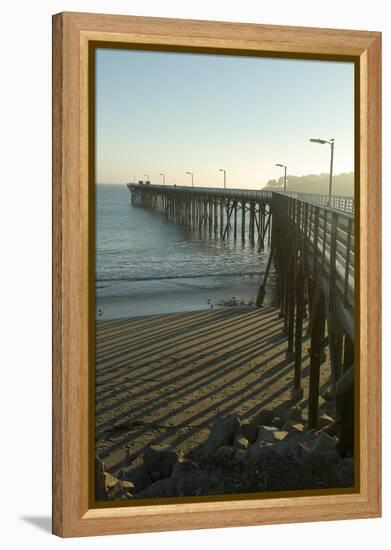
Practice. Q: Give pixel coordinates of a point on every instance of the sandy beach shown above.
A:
(164, 379)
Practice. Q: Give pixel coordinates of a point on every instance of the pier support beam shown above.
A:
(317, 331)
(243, 221)
(300, 306)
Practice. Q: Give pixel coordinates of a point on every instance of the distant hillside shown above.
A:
(343, 184)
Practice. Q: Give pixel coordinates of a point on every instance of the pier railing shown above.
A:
(344, 203)
(313, 250)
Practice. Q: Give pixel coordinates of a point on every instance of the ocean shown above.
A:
(147, 265)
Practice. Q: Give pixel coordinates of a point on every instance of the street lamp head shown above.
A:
(322, 141)
(281, 165)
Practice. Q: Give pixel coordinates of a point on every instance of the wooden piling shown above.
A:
(315, 362)
(243, 221)
(221, 217)
(297, 390)
(235, 219)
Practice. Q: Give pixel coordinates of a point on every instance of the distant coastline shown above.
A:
(343, 184)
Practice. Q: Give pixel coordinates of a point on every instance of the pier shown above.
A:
(311, 245)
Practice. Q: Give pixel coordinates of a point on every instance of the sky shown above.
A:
(171, 113)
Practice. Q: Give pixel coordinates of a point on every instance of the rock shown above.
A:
(117, 489)
(185, 483)
(223, 432)
(127, 486)
(100, 485)
(277, 422)
(110, 481)
(270, 434)
(327, 395)
(264, 417)
(279, 435)
(292, 425)
(268, 438)
(331, 429)
(292, 413)
(346, 471)
(140, 479)
(324, 420)
(287, 447)
(240, 442)
(155, 476)
(224, 454)
(240, 455)
(249, 430)
(160, 459)
(162, 488)
(322, 445)
(266, 433)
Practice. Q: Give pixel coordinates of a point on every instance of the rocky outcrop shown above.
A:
(109, 487)
(159, 461)
(222, 433)
(242, 456)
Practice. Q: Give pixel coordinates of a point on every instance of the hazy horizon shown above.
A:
(179, 112)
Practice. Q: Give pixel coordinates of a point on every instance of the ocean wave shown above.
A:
(170, 277)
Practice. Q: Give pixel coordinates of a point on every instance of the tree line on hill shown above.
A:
(343, 184)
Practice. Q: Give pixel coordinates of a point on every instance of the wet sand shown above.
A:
(163, 379)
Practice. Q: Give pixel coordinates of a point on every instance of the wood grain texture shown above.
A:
(71, 35)
(57, 269)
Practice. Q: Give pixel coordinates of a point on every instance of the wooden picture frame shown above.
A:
(72, 34)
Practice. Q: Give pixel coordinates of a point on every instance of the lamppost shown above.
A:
(225, 176)
(331, 143)
(192, 177)
(284, 167)
(164, 178)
